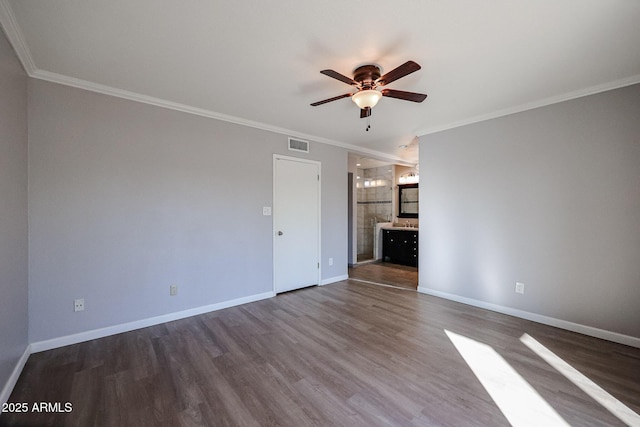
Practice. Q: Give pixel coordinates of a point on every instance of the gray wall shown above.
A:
(13, 211)
(127, 198)
(549, 197)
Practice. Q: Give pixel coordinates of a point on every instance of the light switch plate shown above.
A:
(266, 210)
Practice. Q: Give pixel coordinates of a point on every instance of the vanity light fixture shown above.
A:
(410, 178)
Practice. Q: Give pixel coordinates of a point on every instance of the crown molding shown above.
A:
(536, 104)
(14, 34)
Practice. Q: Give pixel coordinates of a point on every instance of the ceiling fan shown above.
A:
(367, 80)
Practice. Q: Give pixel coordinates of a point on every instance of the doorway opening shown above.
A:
(373, 207)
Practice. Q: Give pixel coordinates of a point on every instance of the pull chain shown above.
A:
(368, 123)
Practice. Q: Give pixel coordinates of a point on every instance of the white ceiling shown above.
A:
(258, 62)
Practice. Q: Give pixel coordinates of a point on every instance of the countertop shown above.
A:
(387, 227)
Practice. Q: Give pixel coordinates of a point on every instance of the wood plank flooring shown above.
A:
(346, 354)
(386, 273)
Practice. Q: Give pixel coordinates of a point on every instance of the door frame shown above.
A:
(276, 213)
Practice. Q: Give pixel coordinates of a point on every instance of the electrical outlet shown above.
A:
(519, 288)
(173, 290)
(78, 304)
(330, 261)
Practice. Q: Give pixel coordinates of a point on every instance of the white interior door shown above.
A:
(296, 223)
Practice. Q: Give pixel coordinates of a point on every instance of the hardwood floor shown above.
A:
(386, 273)
(349, 353)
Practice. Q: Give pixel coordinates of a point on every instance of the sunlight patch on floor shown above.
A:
(597, 393)
(519, 402)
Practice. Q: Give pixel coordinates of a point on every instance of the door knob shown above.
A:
(280, 233)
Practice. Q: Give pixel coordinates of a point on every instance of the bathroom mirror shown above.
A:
(408, 201)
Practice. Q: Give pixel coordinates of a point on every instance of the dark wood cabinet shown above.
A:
(400, 246)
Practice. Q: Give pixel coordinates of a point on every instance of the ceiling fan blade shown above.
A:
(407, 96)
(335, 98)
(393, 75)
(338, 76)
(365, 112)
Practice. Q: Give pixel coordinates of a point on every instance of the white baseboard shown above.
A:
(13, 378)
(138, 324)
(334, 279)
(546, 320)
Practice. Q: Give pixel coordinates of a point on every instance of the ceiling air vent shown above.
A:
(298, 145)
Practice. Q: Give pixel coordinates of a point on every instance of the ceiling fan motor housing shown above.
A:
(366, 75)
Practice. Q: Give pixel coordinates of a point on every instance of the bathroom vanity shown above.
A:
(400, 245)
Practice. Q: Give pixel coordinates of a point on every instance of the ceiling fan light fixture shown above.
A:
(366, 98)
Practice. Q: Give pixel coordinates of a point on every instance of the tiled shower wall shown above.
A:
(375, 204)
